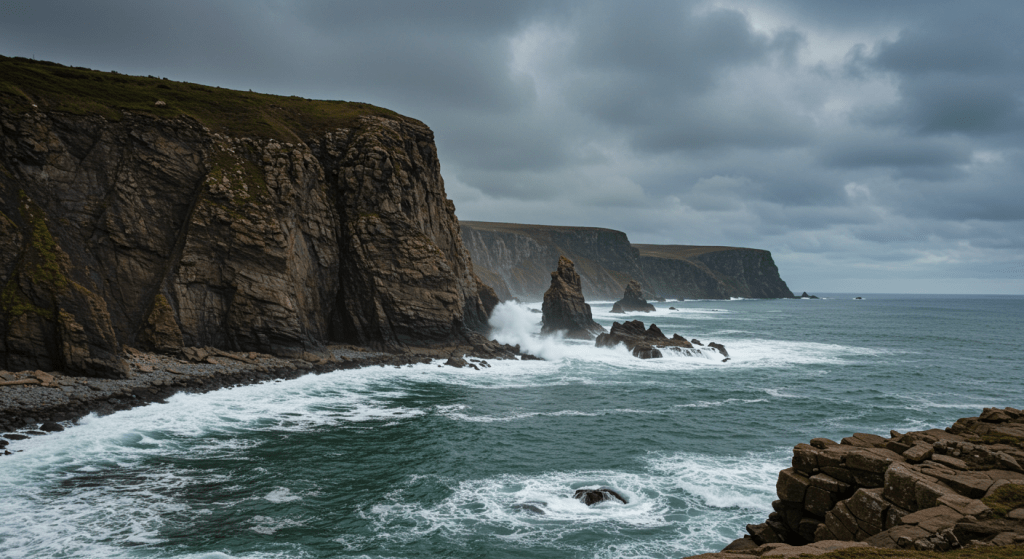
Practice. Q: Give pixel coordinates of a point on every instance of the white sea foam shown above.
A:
(282, 495)
(268, 526)
(697, 502)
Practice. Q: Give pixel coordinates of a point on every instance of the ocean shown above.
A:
(434, 461)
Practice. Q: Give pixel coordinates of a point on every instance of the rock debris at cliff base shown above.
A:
(28, 398)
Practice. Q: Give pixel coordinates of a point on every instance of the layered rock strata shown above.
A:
(515, 260)
(125, 228)
(632, 300)
(564, 308)
(652, 342)
(931, 490)
(702, 272)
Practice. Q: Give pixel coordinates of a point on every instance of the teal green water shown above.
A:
(431, 461)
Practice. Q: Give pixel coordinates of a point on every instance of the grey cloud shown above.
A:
(874, 149)
(675, 121)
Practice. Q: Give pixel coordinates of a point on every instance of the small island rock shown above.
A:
(594, 496)
(632, 300)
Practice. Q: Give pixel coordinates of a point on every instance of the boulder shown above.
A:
(456, 362)
(594, 496)
(51, 427)
(632, 300)
(564, 308)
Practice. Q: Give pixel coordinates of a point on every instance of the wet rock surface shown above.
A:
(564, 308)
(650, 343)
(632, 300)
(934, 490)
(591, 497)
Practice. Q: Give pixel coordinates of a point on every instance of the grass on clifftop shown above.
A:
(80, 91)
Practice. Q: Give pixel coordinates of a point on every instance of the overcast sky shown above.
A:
(871, 146)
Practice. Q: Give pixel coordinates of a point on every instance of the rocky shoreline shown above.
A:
(928, 491)
(34, 402)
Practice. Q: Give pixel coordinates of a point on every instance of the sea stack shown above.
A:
(632, 300)
(564, 307)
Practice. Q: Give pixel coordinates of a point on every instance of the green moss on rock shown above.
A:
(41, 264)
(1006, 498)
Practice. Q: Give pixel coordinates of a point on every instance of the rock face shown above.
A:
(925, 490)
(632, 300)
(695, 272)
(515, 260)
(650, 343)
(124, 228)
(564, 308)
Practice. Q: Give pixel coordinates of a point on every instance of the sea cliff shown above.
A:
(516, 260)
(161, 215)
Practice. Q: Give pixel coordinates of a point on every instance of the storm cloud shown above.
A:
(871, 147)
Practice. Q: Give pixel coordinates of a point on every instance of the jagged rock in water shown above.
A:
(169, 231)
(650, 343)
(564, 307)
(591, 497)
(632, 300)
(456, 362)
(720, 348)
(644, 350)
(804, 295)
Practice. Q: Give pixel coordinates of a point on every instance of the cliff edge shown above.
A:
(150, 213)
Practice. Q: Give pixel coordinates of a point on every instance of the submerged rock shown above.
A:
(632, 300)
(564, 307)
(591, 497)
(530, 507)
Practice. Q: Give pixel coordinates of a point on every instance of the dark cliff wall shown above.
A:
(695, 272)
(517, 259)
(170, 227)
